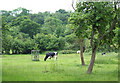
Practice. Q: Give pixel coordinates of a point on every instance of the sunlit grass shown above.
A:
(66, 68)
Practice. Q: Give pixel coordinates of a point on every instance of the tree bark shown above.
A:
(81, 52)
(90, 68)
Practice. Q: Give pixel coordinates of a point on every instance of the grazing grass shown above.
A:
(66, 68)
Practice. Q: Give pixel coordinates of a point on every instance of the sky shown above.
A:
(36, 5)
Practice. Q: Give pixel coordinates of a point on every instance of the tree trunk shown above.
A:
(90, 68)
(81, 52)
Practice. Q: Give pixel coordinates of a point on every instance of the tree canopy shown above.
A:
(52, 31)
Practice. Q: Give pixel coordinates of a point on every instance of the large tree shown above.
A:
(53, 26)
(26, 25)
(20, 12)
(5, 35)
(38, 18)
(102, 17)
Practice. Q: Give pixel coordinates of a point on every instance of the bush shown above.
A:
(22, 44)
(48, 42)
(28, 46)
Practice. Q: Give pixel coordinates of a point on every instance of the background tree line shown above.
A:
(23, 31)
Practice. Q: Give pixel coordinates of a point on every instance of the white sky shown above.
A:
(36, 5)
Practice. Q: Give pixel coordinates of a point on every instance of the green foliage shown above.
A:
(68, 30)
(80, 24)
(5, 27)
(26, 25)
(62, 15)
(102, 19)
(61, 11)
(70, 38)
(20, 12)
(19, 26)
(14, 30)
(30, 27)
(71, 42)
(53, 43)
(47, 42)
(52, 26)
(17, 21)
(17, 46)
(38, 18)
(97, 19)
(22, 24)
(61, 44)
(28, 46)
(7, 43)
(22, 43)
(6, 37)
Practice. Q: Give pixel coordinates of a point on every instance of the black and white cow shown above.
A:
(103, 53)
(78, 52)
(51, 55)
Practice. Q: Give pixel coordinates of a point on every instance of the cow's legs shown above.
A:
(46, 57)
(49, 57)
(55, 58)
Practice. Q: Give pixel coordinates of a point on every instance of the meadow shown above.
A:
(67, 68)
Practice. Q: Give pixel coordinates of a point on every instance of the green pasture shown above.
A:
(66, 68)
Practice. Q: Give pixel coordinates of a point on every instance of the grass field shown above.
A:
(66, 68)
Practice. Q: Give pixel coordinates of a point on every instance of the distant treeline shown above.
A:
(23, 31)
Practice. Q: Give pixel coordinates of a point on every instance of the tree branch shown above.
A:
(111, 26)
(73, 4)
(93, 30)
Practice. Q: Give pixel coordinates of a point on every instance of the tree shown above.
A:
(70, 42)
(80, 27)
(99, 15)
(62, 15)
(30, 27)
(60, 30)
(52, 26)
(46, 42)
(61, 11)
(6, 42)
(17, 46)
(38, 18)
(22, 44)
(5, 13)
(20, 12)
(8, 15)
(26, 25)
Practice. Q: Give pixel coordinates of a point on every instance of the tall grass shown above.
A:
(67, 68)
(109, 58)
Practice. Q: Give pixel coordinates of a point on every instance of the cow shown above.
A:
(103, 53)
(78, 52)
(51, 55)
